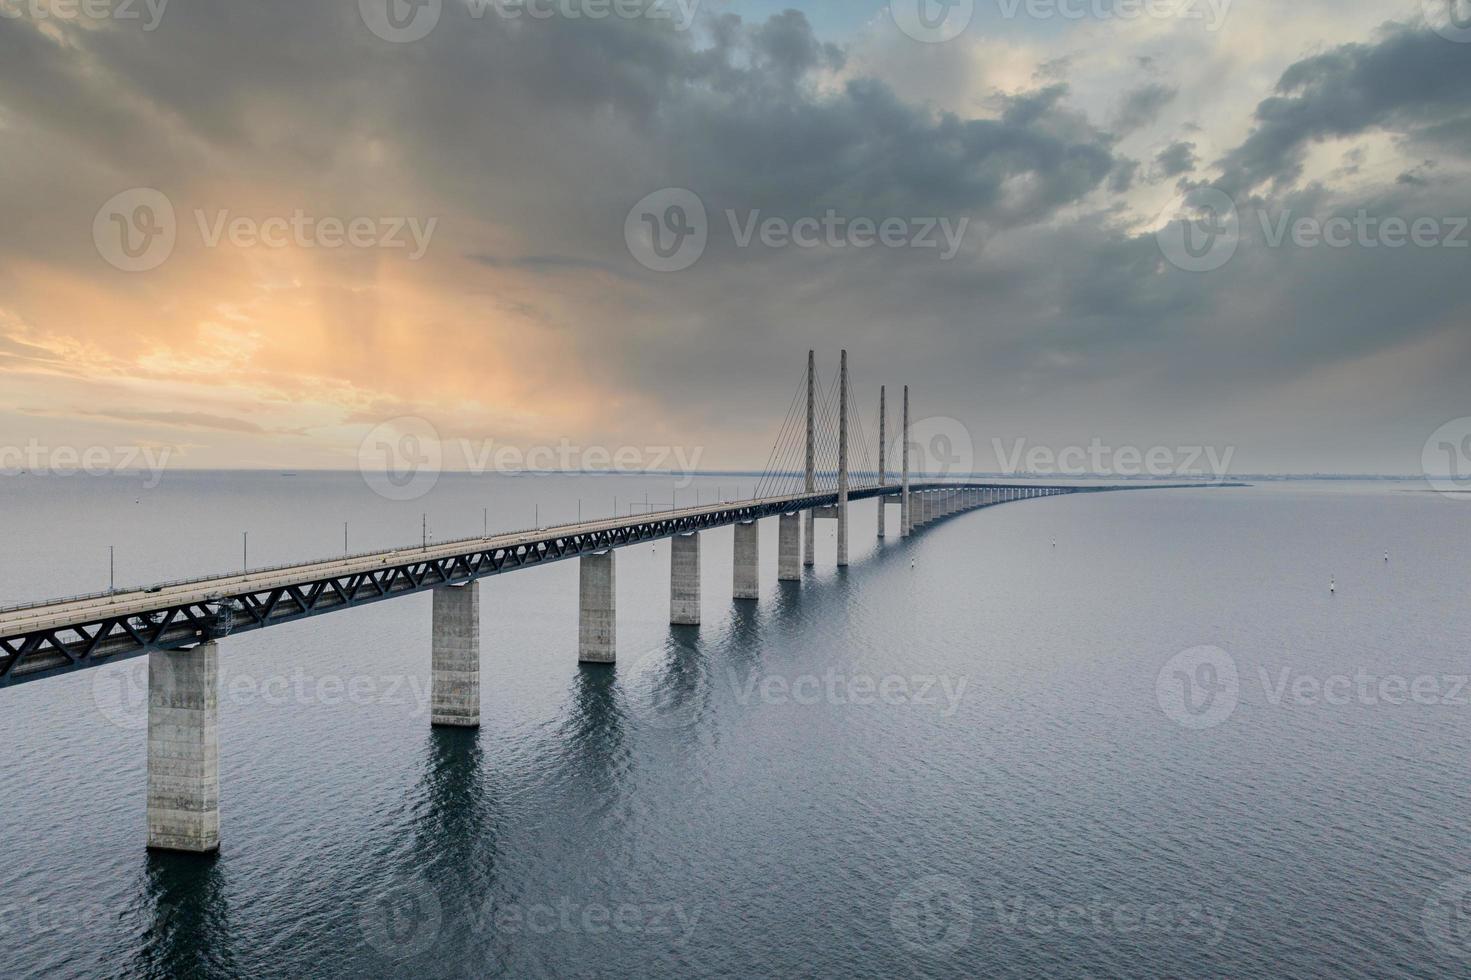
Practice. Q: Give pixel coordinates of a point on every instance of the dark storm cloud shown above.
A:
(533, 139)
(1175, 159)
(1142, 106)
(1410, 80)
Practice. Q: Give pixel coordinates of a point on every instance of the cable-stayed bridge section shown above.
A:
(809, 476)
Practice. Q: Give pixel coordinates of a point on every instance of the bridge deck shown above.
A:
(46, 638)
(55, 615)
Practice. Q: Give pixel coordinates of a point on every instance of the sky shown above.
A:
(265, 234)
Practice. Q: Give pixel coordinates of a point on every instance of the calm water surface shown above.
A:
(970, 753)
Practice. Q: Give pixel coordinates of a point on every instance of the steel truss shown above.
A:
(87, 643)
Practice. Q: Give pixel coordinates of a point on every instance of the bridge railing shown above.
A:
(265, 569)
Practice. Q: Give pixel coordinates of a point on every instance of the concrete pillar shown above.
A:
(906, 524)
(184, 749)
(788, 548)
(596, 624)
(747, 560)
(454, 658)
(684, 580)
(882, 461)
(843, 460)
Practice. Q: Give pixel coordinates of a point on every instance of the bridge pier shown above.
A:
(184, 749)
(596, 627)
(747, 561)
(454, 668)
(684, 579)
(789, 548)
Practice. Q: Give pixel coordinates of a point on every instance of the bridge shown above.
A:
(180, 626)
